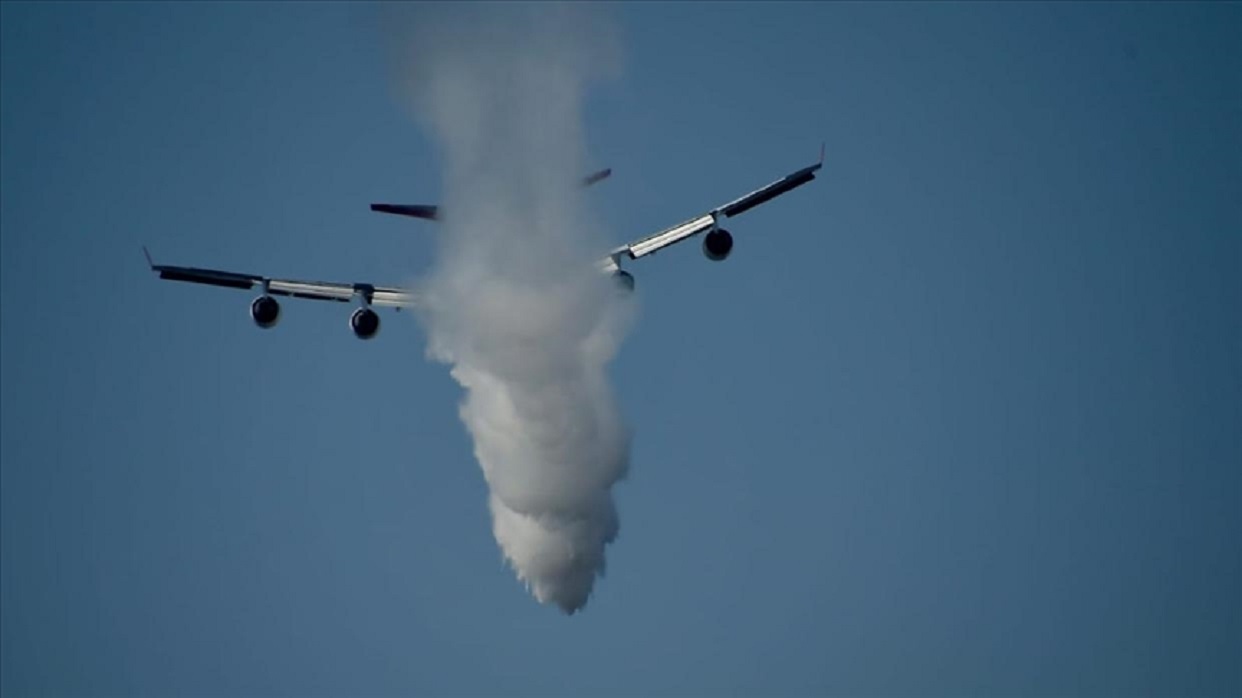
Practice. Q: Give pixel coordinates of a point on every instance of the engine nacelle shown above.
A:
(265, 311)
(624, 280)
(717, 245)
(364, 322)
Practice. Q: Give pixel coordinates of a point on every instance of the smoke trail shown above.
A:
(514, 304)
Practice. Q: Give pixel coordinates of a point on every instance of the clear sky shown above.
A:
(961, 417)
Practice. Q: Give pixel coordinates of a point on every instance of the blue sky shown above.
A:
(959, 418)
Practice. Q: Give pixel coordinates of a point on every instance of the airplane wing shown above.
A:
(365, 323)
(710, 220)
(381, 296)
(431, 212)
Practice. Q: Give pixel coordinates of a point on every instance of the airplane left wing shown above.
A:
(370, 294)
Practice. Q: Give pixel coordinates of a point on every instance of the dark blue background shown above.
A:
(962, 417)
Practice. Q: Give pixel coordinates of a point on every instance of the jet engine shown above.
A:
(364, 322)
(717, 245)
(265, 311)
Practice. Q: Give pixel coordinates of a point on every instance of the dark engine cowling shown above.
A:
(717, 245)
(265, 311)
(364, 322)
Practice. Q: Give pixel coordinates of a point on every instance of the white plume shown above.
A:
(514, 304)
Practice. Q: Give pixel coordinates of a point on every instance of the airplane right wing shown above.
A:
(710, 220)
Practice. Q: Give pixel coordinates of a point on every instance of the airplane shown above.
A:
(365, 322)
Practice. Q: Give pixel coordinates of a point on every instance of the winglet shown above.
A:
(148, 256)
(821, 152)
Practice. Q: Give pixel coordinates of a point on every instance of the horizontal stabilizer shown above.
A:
(423, 211)
(432, 213)
(596, 176)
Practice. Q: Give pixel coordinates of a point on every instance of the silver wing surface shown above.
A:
(369, 294)
(710, 220)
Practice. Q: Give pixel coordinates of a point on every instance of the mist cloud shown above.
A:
(514, 305)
